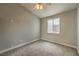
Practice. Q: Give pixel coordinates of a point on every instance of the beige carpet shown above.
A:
(42, 48)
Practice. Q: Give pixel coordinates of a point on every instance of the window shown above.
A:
(54, 25)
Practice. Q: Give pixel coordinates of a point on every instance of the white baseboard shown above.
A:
(20, 45)
(61, 43)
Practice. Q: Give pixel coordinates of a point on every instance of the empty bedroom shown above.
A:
(39, 29)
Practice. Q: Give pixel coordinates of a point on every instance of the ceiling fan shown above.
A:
(40, 6)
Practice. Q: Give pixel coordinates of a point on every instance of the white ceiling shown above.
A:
(50, 8)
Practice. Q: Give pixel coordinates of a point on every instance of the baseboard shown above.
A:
(20, 45)
(61, 43)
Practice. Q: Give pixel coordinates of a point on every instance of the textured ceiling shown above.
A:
(50, 9)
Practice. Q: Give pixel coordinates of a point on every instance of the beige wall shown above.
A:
(68, 28)
(17, 26)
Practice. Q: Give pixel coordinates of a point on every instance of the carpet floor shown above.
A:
(42, 48)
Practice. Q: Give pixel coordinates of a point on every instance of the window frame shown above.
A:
(52, 25)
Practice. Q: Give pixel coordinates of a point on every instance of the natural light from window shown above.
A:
(54, 25)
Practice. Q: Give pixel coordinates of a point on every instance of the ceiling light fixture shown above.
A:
(39, 6)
